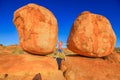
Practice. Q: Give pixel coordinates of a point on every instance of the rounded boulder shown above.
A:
(91, 35)
(37, 28)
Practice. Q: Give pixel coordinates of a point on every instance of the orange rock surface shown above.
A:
(26, 66)
(91, 35)
(84, 68)
(37, 28)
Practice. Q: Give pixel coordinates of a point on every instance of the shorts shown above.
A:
(59, 50)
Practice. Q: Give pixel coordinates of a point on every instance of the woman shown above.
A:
(60, 54)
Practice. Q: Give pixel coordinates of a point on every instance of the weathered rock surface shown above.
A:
(83, 68)
(37, 29)
(91, 35)
(113, 57)
(19, 65)
(26, 66)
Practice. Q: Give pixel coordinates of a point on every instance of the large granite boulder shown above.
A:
(37, 28)
(91, 35)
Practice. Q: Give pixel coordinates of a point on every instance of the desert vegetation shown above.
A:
(11, 49)
(117, 49)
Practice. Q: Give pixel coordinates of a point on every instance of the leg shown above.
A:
(58, 62)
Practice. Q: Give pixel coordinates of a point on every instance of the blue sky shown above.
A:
(65, 11)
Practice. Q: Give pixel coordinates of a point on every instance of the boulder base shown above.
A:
(83, 68)
(26, 67)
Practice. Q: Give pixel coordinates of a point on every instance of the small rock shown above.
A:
(37, 77)
(1, 44)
